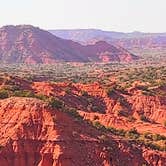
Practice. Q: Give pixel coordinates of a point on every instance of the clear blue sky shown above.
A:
(117, 15)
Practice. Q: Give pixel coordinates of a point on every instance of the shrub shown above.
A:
(148, 135)
(133, 133)
(41, 97)
(131, 118)
(89, 99)
(111, 92)
(84, 93)
(154, 146)
(144, 118)
(104, 138)
(98, 125)
(158, 137)
(73, 112)
(67, 90)
(122, 113)
(54, 103)
(23, 93)
(15, 88)
(95, 108)
(144, 165)
(120, 132)
(111, 129)
(4, 94)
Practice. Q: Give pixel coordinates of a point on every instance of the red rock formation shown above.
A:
(134, 105)
(27, 44)
(33, 134)
(134, 40)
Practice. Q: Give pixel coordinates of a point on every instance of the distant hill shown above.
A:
(136, 42)
(85, 35)
(28, 44)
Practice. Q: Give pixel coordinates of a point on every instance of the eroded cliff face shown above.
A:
(32, 134)
(115, 110)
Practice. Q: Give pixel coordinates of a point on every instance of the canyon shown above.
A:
(33, 132)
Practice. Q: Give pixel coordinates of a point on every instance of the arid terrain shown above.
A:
(98, 101)
(83, 114)
(83, 83)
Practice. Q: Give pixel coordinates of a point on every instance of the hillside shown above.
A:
(84, 35)
(47, 124)
(143, 44)
(28, 44)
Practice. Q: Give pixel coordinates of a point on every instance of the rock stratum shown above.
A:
(109, 109)
(28, 44)
(32, 134)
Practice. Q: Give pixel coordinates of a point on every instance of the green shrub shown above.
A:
(15, 88)
(122, 113)
(111, 129)
(148, 135)
(73, 112)
(23, 93)
(111, 92)
(158, 137)
(84, 93)
(133, 134)
(67, 90)
(144, 165)
(98, 125)
(104, 139)
(54, 103)
(144, 118)
(95, 108)
(4, 94)
(131, 118)
(120, 132)
(41, 97)
(154, 146)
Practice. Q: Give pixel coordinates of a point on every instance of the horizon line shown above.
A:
(82, 28)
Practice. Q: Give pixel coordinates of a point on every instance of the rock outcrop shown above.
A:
(108, 109)
(32, 134)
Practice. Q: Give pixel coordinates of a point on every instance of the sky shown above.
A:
(112, 15)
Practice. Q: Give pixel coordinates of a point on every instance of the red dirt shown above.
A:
(33, 134)
(136, 104)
